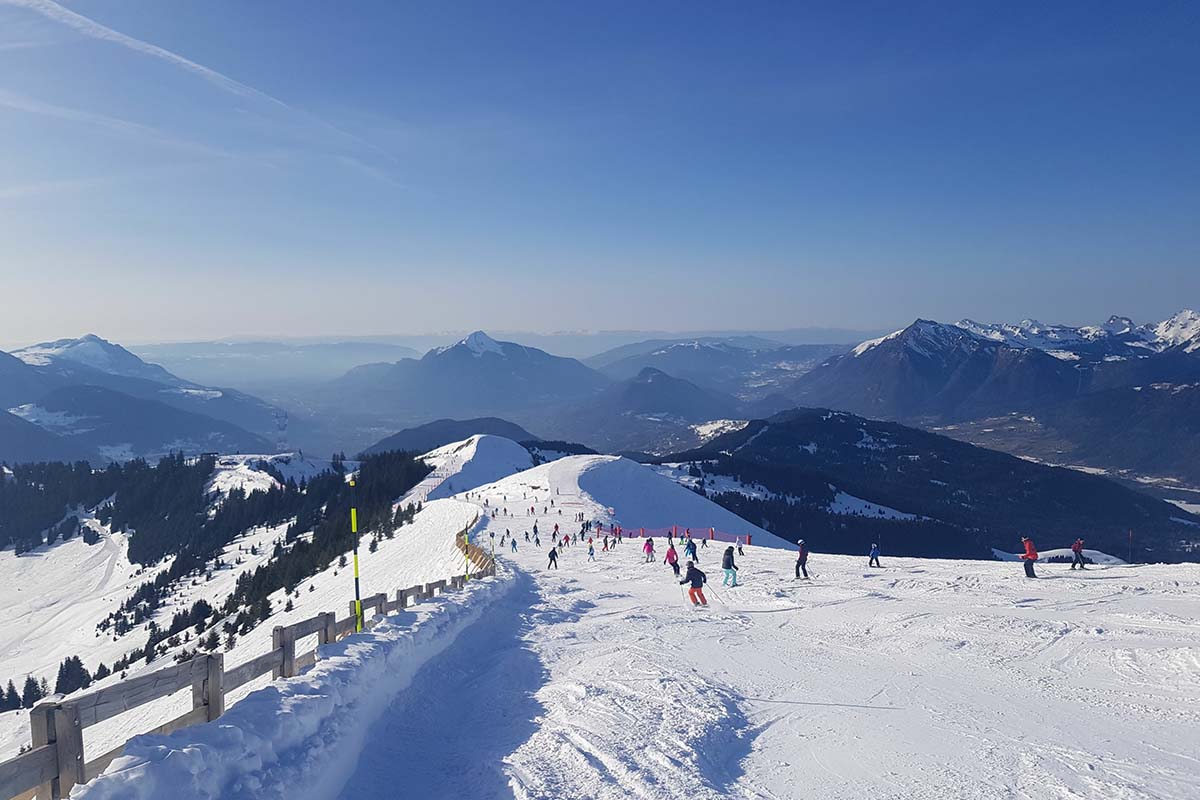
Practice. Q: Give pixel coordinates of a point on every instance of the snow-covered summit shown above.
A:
(95, 352)
(926, 338)
(1181, 330)
(477, 343)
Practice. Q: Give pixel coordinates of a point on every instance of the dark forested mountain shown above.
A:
(967, 499)
(651, 412)
(433, 435)
(478, 376)
(1050, 386)
(49, 377)
(937, 371)
(22, 441)
(120, 426)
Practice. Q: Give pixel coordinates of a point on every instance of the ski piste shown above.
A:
(598, 680)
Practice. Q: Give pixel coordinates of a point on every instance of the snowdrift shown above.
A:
(298, 738)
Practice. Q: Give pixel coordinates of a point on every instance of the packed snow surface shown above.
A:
(465, 465)
(921, 679)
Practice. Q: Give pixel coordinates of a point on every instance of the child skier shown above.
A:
(648, 549)
(1029, 556)
(697, 579)
(729, 567)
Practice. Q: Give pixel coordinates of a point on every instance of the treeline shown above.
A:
(321, 506)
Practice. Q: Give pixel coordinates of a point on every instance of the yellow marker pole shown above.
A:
(358, 615)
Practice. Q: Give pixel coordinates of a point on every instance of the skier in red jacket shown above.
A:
(1077, 551)
(1029, 556)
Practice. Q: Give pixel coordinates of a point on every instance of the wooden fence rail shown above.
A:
(56, 762)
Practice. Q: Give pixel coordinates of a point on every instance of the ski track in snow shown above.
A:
(925, 679)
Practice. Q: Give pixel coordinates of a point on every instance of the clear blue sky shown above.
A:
(193, 169)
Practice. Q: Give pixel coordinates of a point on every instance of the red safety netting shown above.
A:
(677, 532)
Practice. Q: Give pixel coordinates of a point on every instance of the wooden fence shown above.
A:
(56, 762)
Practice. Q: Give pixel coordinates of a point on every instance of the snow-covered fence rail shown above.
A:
(56, 762)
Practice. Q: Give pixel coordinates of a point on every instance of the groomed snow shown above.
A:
(924, 678)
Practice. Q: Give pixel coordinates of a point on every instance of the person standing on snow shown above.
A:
(553, 559)
(874, 562)
(648, 549)
(697, 579)
(1029, 556)
(729, 567)
(689, 550)
(1077, 552)
(739, 546)
(672, 559)
(591, 551)
(802, 560)
(513, 542)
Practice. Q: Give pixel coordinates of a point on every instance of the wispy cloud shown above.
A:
(28, 105)
(89, 27)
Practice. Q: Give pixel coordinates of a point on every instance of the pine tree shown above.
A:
(12, 700)
(31, 693)
(102, 672)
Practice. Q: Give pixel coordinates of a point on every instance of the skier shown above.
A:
(689, 550)
(739, 546)
(553, 559)
(536, 541)
(672, 559)
(802, 560)
(648, 549)
(1029, 556)
(704, 541)
(697, 579)
(527, 536)
(591, 551)
(1077, 551)
(874, 562)
(513, 542)
(729, 567)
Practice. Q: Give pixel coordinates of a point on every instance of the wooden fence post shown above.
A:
(41, 726)
(284, 639)
(214, 690)
(69, 743)
(328, 633)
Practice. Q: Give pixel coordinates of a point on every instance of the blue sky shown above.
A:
(203, 168)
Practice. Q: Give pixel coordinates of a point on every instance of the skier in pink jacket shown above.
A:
(648, 549)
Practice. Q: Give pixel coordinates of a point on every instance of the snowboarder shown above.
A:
(729, 567)
(672, 559)
(553, 559)
(802, 560)
(1029, 556)
(1077, 552)
(874, 562)
(697, 579)
(648, 549)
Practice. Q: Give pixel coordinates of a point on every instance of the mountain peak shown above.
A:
(1181, 329)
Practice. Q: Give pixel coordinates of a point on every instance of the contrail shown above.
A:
(89, 27)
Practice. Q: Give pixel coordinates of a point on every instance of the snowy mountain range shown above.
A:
(95, 399)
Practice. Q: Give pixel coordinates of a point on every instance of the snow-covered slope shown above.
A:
(100, 354)
(471, 463)
(610, 490)
(52, 599)
(254, 472)
(926, 678)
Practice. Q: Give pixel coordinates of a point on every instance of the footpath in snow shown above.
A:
(924, 679)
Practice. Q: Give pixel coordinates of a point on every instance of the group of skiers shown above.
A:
(1030, 556)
